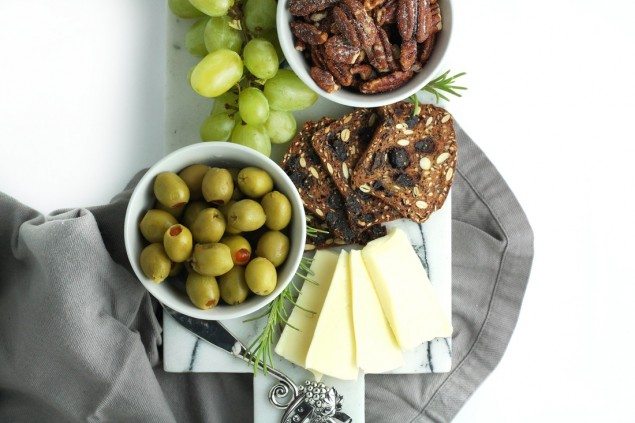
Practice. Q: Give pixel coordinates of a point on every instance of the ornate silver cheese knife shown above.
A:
(311, 402)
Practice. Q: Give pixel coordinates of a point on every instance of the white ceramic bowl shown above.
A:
(221, 154)
(350, 98)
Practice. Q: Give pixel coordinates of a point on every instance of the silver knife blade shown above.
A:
(210, 331)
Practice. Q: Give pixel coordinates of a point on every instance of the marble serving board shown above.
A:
(183, 352)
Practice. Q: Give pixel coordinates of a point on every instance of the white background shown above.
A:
(551, 100)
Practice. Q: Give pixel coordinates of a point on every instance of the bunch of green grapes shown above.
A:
(252, 106)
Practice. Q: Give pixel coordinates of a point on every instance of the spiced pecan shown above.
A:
(345, 26)
(365, 72)
(408, 54)
(429, 19)
(377, 57)
(426, 48)
(324, 79)
(386, 14)
(308, 7)
(407, 18)
(340, 71)
(364, 24)
(386, 83)
(339, 50)
(317, 56)
(308, 33)
(388, 48)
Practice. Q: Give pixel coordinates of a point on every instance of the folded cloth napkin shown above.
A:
(80, 337)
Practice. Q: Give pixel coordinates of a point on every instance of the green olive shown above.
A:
(218, 186)
(261, 276)
(209, 226)
(239, 248)
(202, 290)
(176, 269)
(254, 182)
(177, 242)
(274, 246)
(191, 212)
(233, 287)
(170, 190)
(246, 216)
(212, 259)
(277, 209)
(193, 178)
(155, 263)
(155, 223)
(174, 211)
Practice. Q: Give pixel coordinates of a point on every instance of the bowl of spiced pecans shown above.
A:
(364, 53)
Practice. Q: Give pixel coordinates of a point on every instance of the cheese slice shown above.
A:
(294, 343)
(376, 348)
(332, 350)
(405, 292)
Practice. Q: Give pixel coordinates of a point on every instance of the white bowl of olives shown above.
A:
(215, 230)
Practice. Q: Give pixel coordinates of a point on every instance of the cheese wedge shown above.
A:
(332, 350)
(294, 344)
(405, 292)
(376, 348)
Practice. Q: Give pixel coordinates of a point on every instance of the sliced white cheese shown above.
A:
(332, 350)
(376, 348)
(294, 344)
(405, 292)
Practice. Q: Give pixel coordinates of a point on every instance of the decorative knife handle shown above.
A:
(312, 402)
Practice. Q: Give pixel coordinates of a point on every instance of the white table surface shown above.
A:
(551, 98)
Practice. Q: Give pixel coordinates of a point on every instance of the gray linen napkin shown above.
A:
(80, 338)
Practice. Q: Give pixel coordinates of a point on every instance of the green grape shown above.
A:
(184, 9)
(252, 137)
(253, 106)
(280, 126)
(260, 15)
(218, 34)
(272, 36)
(194, 41)
(227, 102)
(213, 7)
(217, 127)
(217, 73)
(261, 58)
(286, 92)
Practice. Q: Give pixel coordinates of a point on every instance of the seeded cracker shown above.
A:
(411, 161)
(316, 188)
(340, 145)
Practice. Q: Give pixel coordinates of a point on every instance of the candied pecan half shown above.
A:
(339, 50)
(387, 13)
(407, 18)
(308, 7)
(324, 79)
(345, 26)
(317, 56)
(408, 54)
(340, 71)
(388, 49)
(365, 72)
(377, 57)
(308, 33)
(386, 83)
(426, 48)
(364, 24)
(429, 19)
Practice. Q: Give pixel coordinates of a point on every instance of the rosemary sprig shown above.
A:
(277, 314)
(444, 84)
